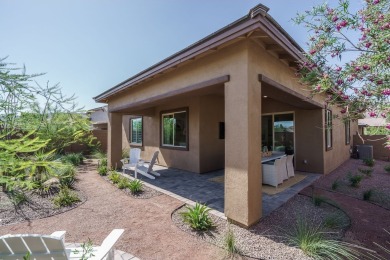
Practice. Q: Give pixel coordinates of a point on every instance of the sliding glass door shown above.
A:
(278, 132)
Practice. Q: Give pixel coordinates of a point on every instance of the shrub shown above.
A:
(102, 170)
(367, 172)
(135, 186)
(197, 217)
(230, 243)
(335, 184)
(65, 198)
(387, 168)
(369, 162)
(334, 220)
(312, 241)
(355, 180)
(123, 183)
(17, 197)
(73, 158)
(103, 161)
(114, 176)
(67, 175)
(367, 194)
(317, 200)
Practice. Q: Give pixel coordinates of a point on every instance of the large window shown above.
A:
(136, 131)
(174, 129)
(328, 129)
(278, 132)
(347, 132)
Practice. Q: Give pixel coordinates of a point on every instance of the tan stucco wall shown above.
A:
(380, 152)
(212, 149)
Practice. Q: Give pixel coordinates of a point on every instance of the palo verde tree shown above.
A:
(349, 57)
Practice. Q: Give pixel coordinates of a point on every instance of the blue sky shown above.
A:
(89, 46)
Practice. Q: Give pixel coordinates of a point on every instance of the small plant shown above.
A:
(67, 175)
(65, 198)
(355, 180)
(114, 176)
(87, 249)
(368, 194)
(369, 162)
(135, 186)
(334, 220)
(387, 168)
(311, 240)
(367, 172)
(230, 243)
(18, 198)
(197, 217)
(335, 184)
(317, 200)
(73, 158)
(102, 170)
(123, 183)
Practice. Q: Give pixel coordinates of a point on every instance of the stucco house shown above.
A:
(217, 103)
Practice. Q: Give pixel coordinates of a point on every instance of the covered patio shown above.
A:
(208, 188)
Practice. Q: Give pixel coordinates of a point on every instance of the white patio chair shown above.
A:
(42, 247)
(290, 166)
(146, 169)
(273, 173)
(134, 158)
(284, 168)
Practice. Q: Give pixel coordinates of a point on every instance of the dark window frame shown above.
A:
(131, 131)
(347, 125)
(328, 127)
(183, 109)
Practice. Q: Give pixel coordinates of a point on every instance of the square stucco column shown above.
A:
(243, 197)
(114, 142)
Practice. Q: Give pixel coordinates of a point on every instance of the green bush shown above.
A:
(317, 200)
(73, 158)
(67, 175)
(65, 198)
(335, 221)
(387, 168)
(103, 161)
(335, 184)
(197, 217)
(367, 172)
(123, 183)
(114, 176)
(355, 180)
(369, 162)
(368, 194)
(312, 241)
(17, 197)
(135, 186)
(102, 170)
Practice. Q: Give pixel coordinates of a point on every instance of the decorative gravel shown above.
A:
(378, 182)
(267, 239)
(146, 192)
(35, 207)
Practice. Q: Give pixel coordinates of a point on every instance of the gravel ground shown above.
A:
(267, 239)
(35, 207)
(379, 182)
(146, 192)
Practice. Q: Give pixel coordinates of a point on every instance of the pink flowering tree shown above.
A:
(348, 57)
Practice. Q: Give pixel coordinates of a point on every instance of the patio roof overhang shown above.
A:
(276, 91)
(257, 25)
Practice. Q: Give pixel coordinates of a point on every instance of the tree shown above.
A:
(349, 57)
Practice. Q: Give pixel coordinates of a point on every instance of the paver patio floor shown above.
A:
(149, 231)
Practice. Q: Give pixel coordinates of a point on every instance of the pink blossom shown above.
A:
(375, 2)
(343, 111)
(338, 68)
(345, 97)
(372, 114)
(340, 81)
(368, 44)
(379, 82)
(386, 92)
(334, 18)
(366, 67)
(312, 51)
(318, 87)
(383, 115)
(388, 126)
(357, 68)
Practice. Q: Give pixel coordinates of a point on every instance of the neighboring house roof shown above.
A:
(257, 18)
(372, 121)
(102, 108)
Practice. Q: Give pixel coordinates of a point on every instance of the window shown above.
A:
(278, 132)
(174, 129)
(347, 132)
(136, 131)
(328, 129)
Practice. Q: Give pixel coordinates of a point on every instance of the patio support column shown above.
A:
(243, 197)
(114, 142)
